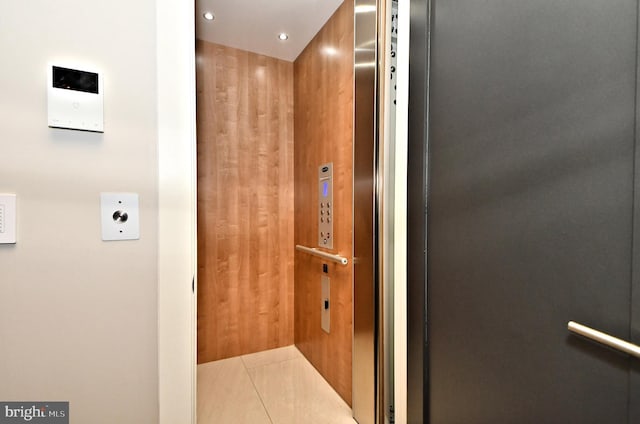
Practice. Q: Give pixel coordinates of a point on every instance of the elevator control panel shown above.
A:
(325, 205)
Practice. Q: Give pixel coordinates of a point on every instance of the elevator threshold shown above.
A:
(277, 386)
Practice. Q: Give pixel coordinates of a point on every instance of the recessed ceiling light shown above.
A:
(208, 16)
(283, 36)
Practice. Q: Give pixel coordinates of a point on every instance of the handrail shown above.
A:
(312, 251)
(605, 339)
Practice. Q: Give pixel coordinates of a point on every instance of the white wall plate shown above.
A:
(7, 218)
(120, 216)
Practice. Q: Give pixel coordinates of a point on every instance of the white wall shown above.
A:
(400, 214)
(78, 316)
(177, 201)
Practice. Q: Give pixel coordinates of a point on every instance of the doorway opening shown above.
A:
(275, 108)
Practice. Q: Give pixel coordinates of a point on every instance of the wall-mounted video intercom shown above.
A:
(325, 206)
(75, 98)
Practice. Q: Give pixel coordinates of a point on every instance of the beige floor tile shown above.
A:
(294, 392)
(271, 356)
(226, 395)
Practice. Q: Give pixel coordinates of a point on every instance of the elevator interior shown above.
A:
(275, 171)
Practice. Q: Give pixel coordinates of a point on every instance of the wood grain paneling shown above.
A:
(245, 202)
(324, 133)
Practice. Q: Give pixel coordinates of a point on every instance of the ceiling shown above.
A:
(254, 25)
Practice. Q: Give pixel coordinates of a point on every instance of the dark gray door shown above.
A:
(530, 209)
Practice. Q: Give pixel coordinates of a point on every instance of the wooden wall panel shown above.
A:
(324, 133)
(245, 202)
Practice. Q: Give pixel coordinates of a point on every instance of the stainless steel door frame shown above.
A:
(371, 158)
(365, 211)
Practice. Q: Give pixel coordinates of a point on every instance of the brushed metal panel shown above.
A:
(634, 383)
(417, 367)
(532, 118)
(365, 228)
(325, 304)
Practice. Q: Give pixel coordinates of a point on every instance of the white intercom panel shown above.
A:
(75, 98)
(325, 203)
(7, 218)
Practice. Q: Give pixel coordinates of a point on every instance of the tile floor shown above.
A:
(276, 386)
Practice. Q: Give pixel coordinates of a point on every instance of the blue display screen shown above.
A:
(325, 188)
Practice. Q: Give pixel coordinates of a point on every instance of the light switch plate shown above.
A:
(120, 216)
(7, 218)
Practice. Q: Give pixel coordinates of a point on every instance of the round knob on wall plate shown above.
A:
(120, 216)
